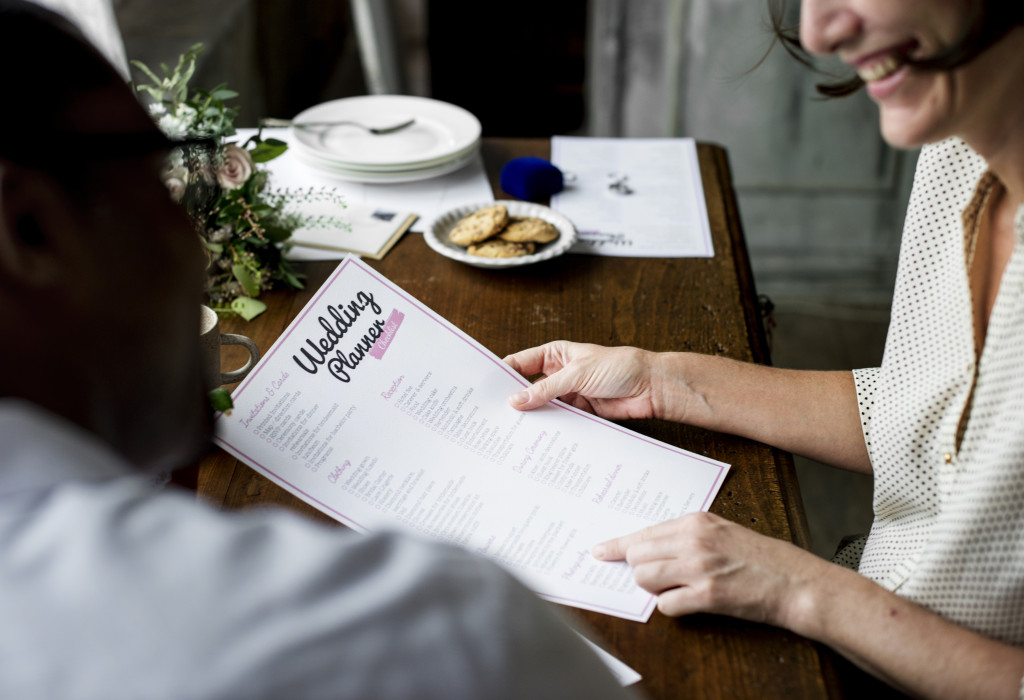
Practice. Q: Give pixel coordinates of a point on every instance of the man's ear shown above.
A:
(36, 225)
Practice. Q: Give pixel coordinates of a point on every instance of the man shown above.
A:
(110, 588)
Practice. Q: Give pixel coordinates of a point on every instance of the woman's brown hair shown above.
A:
(992, 19)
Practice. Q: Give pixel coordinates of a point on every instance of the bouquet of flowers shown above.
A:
(242, 223)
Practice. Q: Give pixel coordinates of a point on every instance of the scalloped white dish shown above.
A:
(436, 234)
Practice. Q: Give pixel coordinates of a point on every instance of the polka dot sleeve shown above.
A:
(865, 381)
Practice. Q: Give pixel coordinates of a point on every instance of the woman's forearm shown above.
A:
(902, 643)
(813, 414)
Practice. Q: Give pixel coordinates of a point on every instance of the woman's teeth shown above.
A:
(881, 69)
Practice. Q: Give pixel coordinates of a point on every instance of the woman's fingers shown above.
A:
(530, 361)
(683, 600)
(704, 563)
(550, 359)
(612, 382)
(650, 543)
(561, 384)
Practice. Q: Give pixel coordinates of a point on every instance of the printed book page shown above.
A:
(380, 413)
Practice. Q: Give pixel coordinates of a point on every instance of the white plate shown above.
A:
(441, 130)
(318, 160)
(436, 234)
(390, 177)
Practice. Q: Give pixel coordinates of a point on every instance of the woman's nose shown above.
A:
(826, 24)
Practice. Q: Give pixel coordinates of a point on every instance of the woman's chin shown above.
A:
(905, 134)
(915, 117)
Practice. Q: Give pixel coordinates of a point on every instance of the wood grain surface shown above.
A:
(704, 305)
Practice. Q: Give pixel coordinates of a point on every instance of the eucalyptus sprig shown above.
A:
(180, 112)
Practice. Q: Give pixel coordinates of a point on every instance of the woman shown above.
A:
(937, 607)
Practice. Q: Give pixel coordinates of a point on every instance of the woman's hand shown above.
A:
(614, 383)
(704, 563)
(814, 414)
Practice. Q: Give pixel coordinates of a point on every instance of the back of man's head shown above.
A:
(48, 65)
(100, 271)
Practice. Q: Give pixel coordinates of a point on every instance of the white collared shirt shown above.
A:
(949, 509)
(111, 588)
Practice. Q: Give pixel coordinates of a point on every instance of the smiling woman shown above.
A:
(987, 22)
(903, 52)
(941, 575)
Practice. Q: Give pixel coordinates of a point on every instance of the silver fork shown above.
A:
(311, 126)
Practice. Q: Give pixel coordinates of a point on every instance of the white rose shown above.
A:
(176, 159)
(235, 168)
(174, 179)
(175, 187)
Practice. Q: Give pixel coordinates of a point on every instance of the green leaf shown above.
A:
(223, 94)
(145, 69)
(245, 278)
(221, 401)
(278, 234)
(248, 308)
(293, 280)
(215, 247)
(268, 150)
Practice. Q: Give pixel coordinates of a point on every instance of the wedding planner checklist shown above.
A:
(380, 413)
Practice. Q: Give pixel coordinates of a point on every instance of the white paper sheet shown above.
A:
(664, 216)
(624, 674)
(426, 198)
(380, 413)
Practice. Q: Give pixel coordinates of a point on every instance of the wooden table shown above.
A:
(704, 305)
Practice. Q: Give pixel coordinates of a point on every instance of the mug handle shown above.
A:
(254, 357)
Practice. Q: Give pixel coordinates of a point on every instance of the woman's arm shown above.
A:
(704, 563)
(814, 414)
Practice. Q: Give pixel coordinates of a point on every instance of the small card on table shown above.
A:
(364, 230)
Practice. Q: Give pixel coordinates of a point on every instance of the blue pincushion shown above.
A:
(532, 179)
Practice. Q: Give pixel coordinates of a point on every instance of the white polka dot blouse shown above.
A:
(944, 425)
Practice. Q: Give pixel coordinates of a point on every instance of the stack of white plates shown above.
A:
(442, 139)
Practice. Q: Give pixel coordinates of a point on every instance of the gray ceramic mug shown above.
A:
(211, 340)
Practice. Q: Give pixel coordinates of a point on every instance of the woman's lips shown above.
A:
(881, 88)
(885, 70)
(879, 69)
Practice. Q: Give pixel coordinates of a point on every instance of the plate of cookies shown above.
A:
(505, 233)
